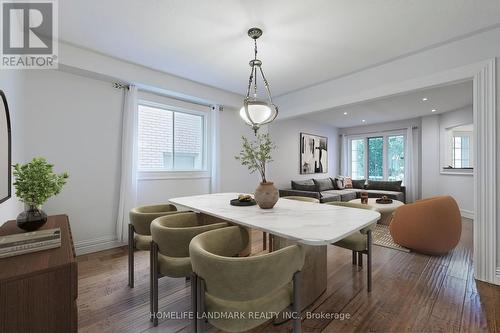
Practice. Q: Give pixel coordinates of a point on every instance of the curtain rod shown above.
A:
(375, 132)
(119, 85)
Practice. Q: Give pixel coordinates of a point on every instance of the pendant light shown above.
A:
(257, 112)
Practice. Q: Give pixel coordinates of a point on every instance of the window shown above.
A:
(461, 152)
(382, 155)
(396, 157)
(376, 158)
(170, 139)
(358, 159)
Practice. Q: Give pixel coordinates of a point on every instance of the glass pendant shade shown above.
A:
(260, 113)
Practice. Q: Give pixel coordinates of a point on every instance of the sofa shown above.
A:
(333, 189)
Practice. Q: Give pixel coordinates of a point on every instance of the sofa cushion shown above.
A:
(304, 185)
(390, 194)
(323, 184)
(328, 197)
(384, 185)
(292, 193)
(358, 183)
(344, 195)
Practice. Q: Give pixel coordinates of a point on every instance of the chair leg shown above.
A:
(194, 285)
(131, 256)
(264, 241)
(200, 305)
(151, 274)
(369, 241)
(271, 243)
(297, 320)
(154, 249)
(354, 258)
(360, 259)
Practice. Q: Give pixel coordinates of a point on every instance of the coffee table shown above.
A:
(385, 210)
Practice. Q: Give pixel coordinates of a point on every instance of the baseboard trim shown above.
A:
(469, 214)
(97, 244)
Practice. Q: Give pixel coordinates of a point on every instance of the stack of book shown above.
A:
(17, 244)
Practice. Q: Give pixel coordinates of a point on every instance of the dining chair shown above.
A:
(169, 256)
(360, 242)
(139, 235)
(264, 283)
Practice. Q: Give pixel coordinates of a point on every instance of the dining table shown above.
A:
(313, 225)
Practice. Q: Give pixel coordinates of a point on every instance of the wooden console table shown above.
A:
(38, 290)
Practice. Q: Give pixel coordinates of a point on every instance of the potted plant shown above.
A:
(254, 155)
(35, 183)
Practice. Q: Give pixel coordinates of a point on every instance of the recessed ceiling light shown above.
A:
(433, 110)
(345, 113)
(425, 99)
(363, 120)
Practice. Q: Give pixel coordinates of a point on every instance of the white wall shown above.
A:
(461, 187)
(234, 176)
(286, 164)
(75, 122)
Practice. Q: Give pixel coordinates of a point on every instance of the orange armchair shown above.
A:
(431, 226)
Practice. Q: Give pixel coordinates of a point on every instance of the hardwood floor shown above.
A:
(411, 293)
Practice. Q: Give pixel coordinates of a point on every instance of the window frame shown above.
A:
(365, 137)
(205, 171)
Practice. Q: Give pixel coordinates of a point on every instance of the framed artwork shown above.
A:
(313, 153)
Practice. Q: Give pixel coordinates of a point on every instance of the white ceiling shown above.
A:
(304, 42)
(399, 107)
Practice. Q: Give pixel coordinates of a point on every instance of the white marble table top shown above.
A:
(308, 223)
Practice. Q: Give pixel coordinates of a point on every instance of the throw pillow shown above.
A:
(359, 183)
(339, 183)
(384, 185)
(304, 185)
(347, 182)
(323, 184)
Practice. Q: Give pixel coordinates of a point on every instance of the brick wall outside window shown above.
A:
(157, 139)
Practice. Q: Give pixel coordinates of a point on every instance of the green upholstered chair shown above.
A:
(171, 235)
(300, 198)
(225, 283)
(359, 243)
(139, 236)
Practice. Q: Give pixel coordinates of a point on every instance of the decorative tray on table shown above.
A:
(383, 200)
(243, 200)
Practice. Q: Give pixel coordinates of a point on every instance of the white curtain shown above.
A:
(215, 149)
(410, 170)
(128, 185)
(344, 155)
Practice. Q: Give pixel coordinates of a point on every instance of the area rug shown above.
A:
(382, 237)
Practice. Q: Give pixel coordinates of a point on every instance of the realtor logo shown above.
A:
(29, 34)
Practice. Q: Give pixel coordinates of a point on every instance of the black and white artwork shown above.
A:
(313, 153)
